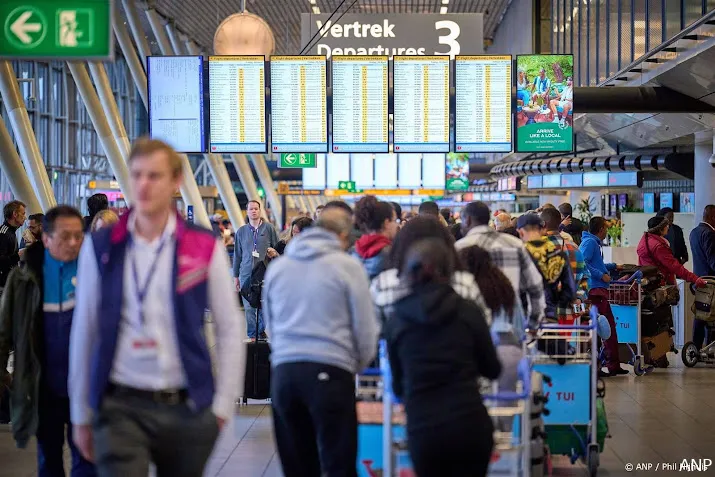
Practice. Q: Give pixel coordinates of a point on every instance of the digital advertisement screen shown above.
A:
(298, 104)
(409, 171)
(622, 201)
(483, 104)
(314, 177)
(535, 182)
(614, 203)
(666, 199)
(571, 180)
(552, 181)
(623, 179)
(360, 103)
(385, 171)
(237, 92)
(595, 179)
(421, 103)
(457, 171)
(649, 203)
(433, 171)
(544, 116)
(687, 202)
(176, 101)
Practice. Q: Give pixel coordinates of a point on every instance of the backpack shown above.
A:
(552, 263)
(704, 306)
(252, 292)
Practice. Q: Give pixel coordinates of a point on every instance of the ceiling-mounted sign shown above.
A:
(394, 34)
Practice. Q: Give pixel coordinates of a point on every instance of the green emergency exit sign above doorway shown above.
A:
(57, 29)
(294, 160)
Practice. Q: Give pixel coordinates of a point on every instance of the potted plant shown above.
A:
(614, 231)
(584, 210)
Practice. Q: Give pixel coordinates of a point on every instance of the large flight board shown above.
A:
(176, 101)
(482, 119)
(298, 104)
(237, 87)
(421, 103)
(360, 103)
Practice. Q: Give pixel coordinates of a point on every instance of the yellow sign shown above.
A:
(92, 185)
(283, 188)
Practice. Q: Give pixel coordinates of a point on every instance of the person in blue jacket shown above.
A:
(600, 276)
(702, 246)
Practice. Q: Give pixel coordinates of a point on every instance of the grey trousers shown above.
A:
(130, 432)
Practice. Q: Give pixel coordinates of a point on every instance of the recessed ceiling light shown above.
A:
(445, 2)
(443, 10)
(316, 10)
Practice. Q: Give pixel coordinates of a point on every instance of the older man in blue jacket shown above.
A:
(702, 246)
(592, 249)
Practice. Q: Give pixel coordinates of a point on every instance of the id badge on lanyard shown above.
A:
(255, 243)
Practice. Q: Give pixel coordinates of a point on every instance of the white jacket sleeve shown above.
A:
(365, 326)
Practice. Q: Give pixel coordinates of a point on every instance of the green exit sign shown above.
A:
(347, 185)
(294, 160)
(57, 29)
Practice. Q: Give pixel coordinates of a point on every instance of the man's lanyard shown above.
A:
(141, 291)
(255, 235)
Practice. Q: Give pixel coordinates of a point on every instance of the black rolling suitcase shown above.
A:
(257, 384)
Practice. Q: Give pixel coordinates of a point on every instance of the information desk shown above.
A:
(360, 99)
(176, 101)
(483, 103)
(421, 103)
(238, 107)
(298, 104)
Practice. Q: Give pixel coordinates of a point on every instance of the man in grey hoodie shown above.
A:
(323, 330)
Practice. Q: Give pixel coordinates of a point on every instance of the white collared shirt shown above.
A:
(165, 371)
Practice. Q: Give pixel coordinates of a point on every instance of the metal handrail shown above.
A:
(707, 18)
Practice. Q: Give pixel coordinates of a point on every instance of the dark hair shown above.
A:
(446, 213)
(320, 207)
(566, 209)
(429, 208)
(55, 213)
(415, 230)
(12, 207)
(37, 217)
(664, 211)
(253, 201)
(596, 224)
(96, 203)
(340, 205)
(302, 223)
(398, 209)
(428, 261)
(708, 211)
(551, 219)
(479, 211)
(371, 214)
(496, 289)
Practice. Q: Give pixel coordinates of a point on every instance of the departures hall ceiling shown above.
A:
(200, 18)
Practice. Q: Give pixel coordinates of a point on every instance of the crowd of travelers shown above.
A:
(136, 387)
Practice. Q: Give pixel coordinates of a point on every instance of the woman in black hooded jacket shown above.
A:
(439, 345)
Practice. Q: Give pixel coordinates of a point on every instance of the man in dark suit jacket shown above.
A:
(702, 244)
(675, 236)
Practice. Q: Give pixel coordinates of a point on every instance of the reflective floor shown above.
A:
(667, 416)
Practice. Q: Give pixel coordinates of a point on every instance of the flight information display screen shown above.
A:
(238, 104)
(421, 103)
(176, 101)
(360, 101)
(483, 104)
(298, 104)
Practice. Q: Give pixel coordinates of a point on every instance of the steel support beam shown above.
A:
(245, 175)
(101, 125)
(15, 172)
(641, 99)
(109, 104)
(264, 175)
(20, 122)
(189, 189)
(130, 55)
(137, 31)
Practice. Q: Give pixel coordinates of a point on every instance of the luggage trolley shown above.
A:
(626, 298)
(572, 372)
(704, 302)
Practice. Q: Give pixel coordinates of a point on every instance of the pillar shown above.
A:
(264, 175)
(15, 172)
(704, 173)
(130, 56)
(109, 104)
(101, 125)
(20, 122)
(137, 30)
(245, 175)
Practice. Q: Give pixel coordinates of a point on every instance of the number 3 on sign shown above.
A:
(449, 39)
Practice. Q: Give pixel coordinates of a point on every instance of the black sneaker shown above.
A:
(263, 336)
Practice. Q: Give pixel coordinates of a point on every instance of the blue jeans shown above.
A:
(251, 320)
(54, 426)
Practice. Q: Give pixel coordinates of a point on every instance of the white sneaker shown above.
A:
(556, 120)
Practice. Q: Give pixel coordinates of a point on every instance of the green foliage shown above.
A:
(532, 65)
(584, 210)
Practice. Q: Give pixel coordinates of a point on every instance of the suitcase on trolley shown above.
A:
(654, 322)
(655, 348)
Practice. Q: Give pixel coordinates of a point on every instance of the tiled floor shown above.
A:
(663, 417)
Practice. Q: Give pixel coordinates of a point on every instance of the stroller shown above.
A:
(704, 309)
